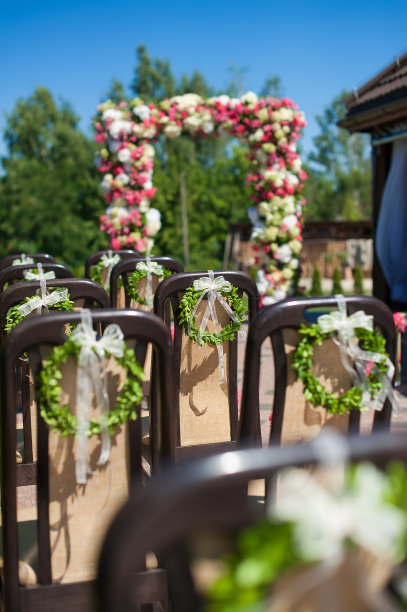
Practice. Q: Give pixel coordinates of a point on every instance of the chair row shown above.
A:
(182, 422)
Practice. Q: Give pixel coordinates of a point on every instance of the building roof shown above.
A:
(381, 104)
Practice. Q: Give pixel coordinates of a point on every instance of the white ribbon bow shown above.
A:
(211, 288)
(109, 261)
(25, 259)
(40, 275)
(349, 349)
(38, 302)
(325, 519)
(90, 378)
(344, 325)
(151, 267)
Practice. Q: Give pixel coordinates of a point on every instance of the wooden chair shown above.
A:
(123, 270)
(203, 506)
(95, 257)
(206, 412)
(71, 518)
(37, 257)
(13, 274)
(295, 420)
(81, 291)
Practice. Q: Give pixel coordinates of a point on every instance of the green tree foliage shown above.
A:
(316, 286)
(358, 280)
(215, 172)
(337, 282)
(339, 183)
(50, 194)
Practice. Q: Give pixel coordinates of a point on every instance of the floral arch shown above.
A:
(269, 127)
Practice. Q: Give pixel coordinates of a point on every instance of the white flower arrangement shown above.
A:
(270, 127)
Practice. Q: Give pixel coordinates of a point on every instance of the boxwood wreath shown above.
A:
(132, 286)
(60, 418)
(96, 272)
(13, 317)
(186, 317)
(315, 392)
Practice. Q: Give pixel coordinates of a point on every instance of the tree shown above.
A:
(358, 280)
(316, 286)
(339, 184)
(50, 193)
(337, 282)
(215, 173)
(116, 92)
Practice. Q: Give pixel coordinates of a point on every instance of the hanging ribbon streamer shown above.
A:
(91, 378)
(211, 288)
(40, 275)
(349, 350)
(44, 301)
(151, 267)
(25, 259)
(109, 261)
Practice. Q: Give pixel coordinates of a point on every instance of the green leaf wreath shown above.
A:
(315, 392)
(13, 317)
(187, 319)
(96, 272)
(132, 286)
(60, 418)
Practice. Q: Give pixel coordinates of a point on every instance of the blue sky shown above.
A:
(75, 47)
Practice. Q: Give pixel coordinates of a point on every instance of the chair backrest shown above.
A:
(123, 271)
(206, 412)
(95, 257)
(12, 274)
(294, 419)
(71, 517)
(207, 500)
(82, 291)
(78, 288)
(37, 257)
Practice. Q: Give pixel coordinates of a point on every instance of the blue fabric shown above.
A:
(391, 232)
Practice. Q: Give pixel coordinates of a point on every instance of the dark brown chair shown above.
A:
(183, 512)
(294, 420)
(123, 270)
(81, 291)
(94, 258)
(206, 412)
(58, 497)
(13, 274)
(37, 257)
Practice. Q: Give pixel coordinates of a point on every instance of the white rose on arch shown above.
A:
(283, 253)
(142, 112)
(289, 222)
(112, 113)
(119, 127)
(124, 155)
(153, 221)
